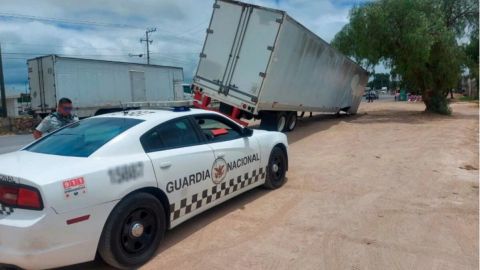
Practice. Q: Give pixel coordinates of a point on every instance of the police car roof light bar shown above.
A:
(184, 105)
(181, 109)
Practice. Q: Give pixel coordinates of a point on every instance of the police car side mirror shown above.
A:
(246, 132)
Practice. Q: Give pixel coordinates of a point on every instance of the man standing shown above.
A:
(370, 96)
(62, 117)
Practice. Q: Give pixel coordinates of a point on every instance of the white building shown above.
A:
(12, 105)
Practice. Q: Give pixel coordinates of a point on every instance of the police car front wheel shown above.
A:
(133, 231)
(277, 168)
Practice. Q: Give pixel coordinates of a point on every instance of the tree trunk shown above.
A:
(436, 102)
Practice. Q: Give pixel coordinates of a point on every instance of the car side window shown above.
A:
(170, 135)
(216, 129)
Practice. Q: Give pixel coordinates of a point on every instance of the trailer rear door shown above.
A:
(222, 35)
(254, 55)
(237, 50)
(42, 83)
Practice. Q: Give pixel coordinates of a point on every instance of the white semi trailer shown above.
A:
(261, 63)
(98, 86)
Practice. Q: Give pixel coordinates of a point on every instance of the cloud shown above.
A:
(112, 29)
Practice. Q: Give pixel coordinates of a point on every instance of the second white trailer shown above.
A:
(267, 65)
(98, 86)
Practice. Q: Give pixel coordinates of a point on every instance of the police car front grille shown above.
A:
(196, 201)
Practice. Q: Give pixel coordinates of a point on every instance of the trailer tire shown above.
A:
(281, 122)
(273, 121)
(291, 121)
(266, 121)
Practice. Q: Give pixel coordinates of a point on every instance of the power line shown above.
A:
(18, 56)
(165, 33)
(21, 53)
(198, 27)
(84, 22)
(66, 21)
(64, 46)
(59, 53)
(87, 47)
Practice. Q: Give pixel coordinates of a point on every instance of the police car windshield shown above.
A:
(83, 138)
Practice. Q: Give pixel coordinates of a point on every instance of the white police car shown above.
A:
(114, 183)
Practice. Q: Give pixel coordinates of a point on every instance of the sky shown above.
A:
(112, 29)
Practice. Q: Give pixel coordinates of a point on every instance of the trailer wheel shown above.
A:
(273, 121)
(291, 121)
(281, 121)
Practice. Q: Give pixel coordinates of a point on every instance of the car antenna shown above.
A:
(124, 108)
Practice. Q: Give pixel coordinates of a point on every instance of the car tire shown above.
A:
(291, 121)
(276, 169)
(133, 231)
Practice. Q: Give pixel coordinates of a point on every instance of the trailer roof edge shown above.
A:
(101, 60)
(287, 15)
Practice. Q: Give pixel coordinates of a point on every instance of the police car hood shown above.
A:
(26, 167)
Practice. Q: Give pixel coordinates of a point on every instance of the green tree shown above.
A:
(418, 39)
(471, 52)
(380, 80)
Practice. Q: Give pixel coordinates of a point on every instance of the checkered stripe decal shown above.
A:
(207, 196)
(5, 210)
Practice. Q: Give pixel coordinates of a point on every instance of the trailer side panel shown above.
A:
(92, 85)
(274, 64)
(307, 74)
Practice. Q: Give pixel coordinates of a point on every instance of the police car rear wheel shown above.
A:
(133, 231)
(276, 170)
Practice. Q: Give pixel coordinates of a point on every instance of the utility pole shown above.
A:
(2, 87)
(148, 41)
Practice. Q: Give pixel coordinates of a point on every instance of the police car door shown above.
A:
(237, 158)
(182, 163)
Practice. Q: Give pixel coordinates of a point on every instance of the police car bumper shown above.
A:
(41, 240)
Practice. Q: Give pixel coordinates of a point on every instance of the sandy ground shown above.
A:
(390, 188)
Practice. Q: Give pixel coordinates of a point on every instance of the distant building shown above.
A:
(17, 104)
(12, 105)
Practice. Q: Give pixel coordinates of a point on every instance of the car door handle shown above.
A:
(221, 155)
(165, 165)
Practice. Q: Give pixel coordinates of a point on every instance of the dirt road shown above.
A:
(390, 188)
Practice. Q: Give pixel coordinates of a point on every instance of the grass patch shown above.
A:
(467, 98)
